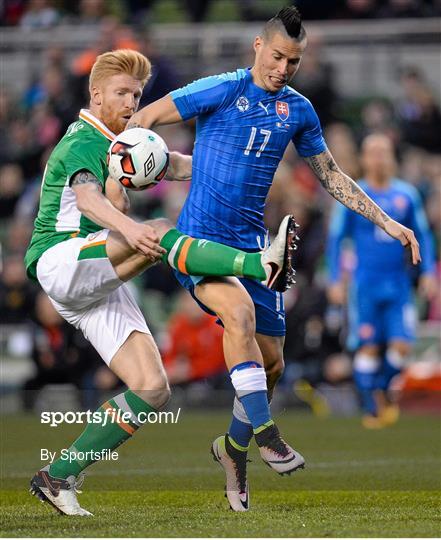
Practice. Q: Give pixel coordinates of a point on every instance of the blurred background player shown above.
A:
(245, 121)
(381, 310)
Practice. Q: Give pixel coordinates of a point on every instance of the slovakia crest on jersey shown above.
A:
(242, 104)
(282, 110)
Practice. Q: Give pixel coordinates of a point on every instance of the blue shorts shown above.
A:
(381, 310)
(270, 310)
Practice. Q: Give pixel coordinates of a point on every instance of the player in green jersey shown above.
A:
(84, 248)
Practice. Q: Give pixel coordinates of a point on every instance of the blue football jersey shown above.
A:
(377, 253)
(242, 132)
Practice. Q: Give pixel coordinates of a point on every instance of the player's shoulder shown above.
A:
(82, 137)
(291, 93)
(403, 187)
(233, 76)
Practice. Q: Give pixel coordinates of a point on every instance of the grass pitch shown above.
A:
(165, 484)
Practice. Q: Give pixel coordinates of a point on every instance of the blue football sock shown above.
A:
(392, 366)
(249, 381)
(365, 373)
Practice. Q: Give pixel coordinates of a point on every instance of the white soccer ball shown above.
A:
(138, 158)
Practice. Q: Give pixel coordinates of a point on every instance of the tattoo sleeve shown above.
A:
(344, 189)
(131, 125)
(85, 177)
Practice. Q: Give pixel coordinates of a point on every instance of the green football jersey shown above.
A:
(83, 147)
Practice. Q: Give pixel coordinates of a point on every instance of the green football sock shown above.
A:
(207, 258)
(108, 433)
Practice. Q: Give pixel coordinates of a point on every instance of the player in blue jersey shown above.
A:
(381, 308)
(245, 121)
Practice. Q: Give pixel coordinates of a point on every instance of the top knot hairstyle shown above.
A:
(289, 19)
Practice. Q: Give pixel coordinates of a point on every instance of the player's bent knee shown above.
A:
(156, 396)
(275, 368)
(161, 226)
(241, 319)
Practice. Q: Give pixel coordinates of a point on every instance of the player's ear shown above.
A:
(95, 95)
(258, 42)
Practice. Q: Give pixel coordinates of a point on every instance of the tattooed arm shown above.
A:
(346, 191)
(93, 204)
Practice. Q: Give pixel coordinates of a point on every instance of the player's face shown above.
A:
(377, 157)
(115, 99)
(277, 60)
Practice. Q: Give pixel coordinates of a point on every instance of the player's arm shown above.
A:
(339, 229)
(164, 111)
(117, 195)
(428, 285)
(93, 204)
(346, 191)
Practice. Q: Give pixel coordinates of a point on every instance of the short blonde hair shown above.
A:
(121, 61)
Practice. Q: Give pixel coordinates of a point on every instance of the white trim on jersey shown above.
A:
(92, 120)
(68, 217)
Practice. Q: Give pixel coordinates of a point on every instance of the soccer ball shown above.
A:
(138, 158)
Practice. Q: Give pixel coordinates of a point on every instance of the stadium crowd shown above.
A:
(34, 14)
(32, 123)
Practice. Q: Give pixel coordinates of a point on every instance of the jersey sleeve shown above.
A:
(339, 229)
(309, 140)
(84, 157)
(202, 96)
(418, 222)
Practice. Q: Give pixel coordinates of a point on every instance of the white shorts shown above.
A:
(85, 290)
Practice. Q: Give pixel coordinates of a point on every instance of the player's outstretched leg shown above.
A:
(59, 492)
(199, 257)
(233, 459)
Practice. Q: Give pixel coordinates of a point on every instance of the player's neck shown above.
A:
(379, 182)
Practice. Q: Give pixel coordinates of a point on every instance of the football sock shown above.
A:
(392, 365)
(108, 433)
(240, 430)
(206, 258)
(249, 381)
(365, 372)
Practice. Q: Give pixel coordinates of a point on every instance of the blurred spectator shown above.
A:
(164, 77)
(194, 349)
(39, 14)
(341, 143)
(360, 9)
(377, 116)
(395, 9)
(310, 336)
(17, 293)
(11, 188)
(18, 235)
(111, 35)
(316, 80)
(11, 12)
(418, 114)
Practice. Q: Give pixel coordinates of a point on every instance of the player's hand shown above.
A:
(428, 286)
(337, 293)
(179, 167)
(405, 236)
(144, 239)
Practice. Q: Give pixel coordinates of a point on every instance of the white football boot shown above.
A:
(276, 453)
(59, 493)
(234, 463)
(277, 258)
